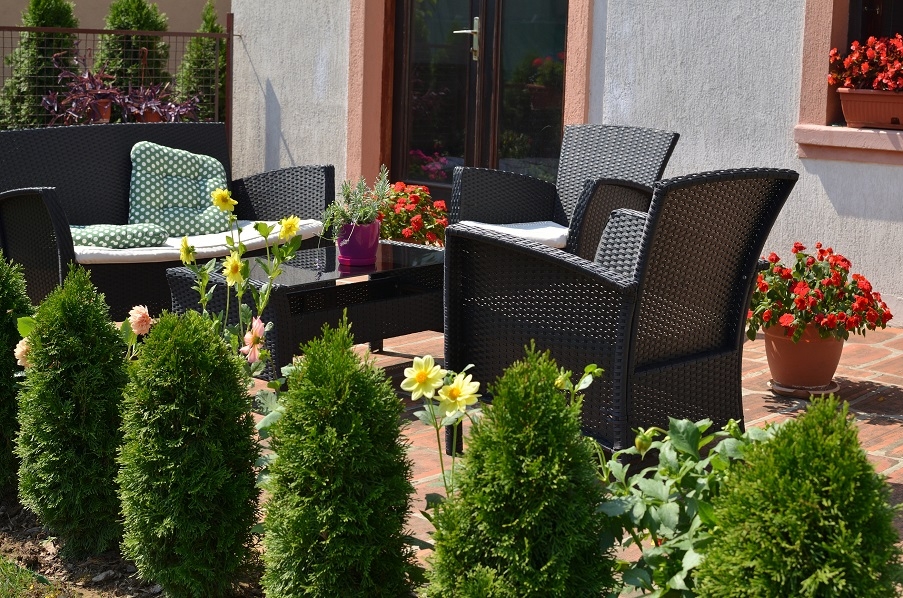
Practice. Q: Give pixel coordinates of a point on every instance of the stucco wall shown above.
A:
(290, 84)
(726, 76)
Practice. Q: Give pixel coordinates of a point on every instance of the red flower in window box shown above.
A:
(876, 65)
(816, 289)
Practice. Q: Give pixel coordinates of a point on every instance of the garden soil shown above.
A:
(24, 542)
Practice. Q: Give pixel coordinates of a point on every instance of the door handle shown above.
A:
(475, 32)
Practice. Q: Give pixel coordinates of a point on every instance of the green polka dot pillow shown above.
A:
(119, 236)
(171, 188)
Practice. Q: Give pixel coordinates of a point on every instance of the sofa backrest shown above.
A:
(89, 165)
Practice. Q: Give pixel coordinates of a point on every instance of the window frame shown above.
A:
(825, 27)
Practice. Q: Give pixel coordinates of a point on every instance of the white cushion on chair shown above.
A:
(206, 246)
(545, 232)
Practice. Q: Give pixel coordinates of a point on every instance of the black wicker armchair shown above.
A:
(55, 177)
(588, 152)
(661, 308)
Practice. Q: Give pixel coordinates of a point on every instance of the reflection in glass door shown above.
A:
(502, 110)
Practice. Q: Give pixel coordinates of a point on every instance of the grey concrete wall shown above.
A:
(290, 84)
(183, 15)
(726, 76)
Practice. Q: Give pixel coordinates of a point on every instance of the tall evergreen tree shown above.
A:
(124, 55)
(203, 69)
(33, 74)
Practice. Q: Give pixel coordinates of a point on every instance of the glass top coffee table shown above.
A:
(400, 294)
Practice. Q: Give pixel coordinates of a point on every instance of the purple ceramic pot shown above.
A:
(357, 244)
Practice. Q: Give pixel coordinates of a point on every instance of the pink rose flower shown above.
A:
(140, 320)
(253, 340)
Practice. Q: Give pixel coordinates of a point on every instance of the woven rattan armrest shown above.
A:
(598, 199)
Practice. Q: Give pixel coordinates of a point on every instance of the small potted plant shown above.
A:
(868, 77)
(353, 219)
(151, 103)
(411, 215)
(90, 97)
(807, 310)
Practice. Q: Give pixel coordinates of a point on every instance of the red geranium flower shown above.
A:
(818, 290)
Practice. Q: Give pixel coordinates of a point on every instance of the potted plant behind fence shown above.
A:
(90, 96)
(870, 79)
(807, 310)
(353, 219)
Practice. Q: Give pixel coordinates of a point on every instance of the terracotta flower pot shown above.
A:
(100, 112)
(872, 108)
(803, 368)
(357, 244)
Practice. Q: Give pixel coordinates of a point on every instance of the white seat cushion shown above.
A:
(545, 232)
(206, 246)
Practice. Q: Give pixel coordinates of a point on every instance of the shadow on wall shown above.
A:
(859, 190)
(273, 130)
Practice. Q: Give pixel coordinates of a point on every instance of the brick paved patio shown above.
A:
(870, 377)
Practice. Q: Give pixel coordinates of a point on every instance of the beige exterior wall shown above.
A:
(184, 15)
(736, 96)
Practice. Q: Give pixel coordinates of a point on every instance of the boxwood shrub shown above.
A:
(14, 304)
(523, 521)
(187, 481)
(69, 417)
(804, 515)
(340, 487)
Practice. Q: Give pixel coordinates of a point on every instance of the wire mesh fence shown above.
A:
(175, 76)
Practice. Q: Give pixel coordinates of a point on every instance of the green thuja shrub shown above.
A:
(523, 521)
(804, 515)
(31, 64)
(187, 481)
(69, 417)
(197, 74)
(340, 487)
(14, 304)
(124, 54)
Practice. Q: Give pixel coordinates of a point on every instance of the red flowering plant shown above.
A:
(816, 289)
(876, 65)
(410, 214)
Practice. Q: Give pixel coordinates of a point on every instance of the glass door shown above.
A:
(477, 83)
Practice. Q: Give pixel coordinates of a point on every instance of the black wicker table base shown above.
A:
(400, 294)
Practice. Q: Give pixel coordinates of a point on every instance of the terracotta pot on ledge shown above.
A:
(804, 368)
(872, 108)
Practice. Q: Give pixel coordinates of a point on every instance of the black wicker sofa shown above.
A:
(51, 178)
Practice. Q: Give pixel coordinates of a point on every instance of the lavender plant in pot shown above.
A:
(90, 96)
(353, 220)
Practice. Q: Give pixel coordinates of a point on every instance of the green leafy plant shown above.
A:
(14, 304)
(134, 59)
(805, 515)
(665, 508)
(33, 73)
(69, 416)
(340, 488)
(523, 520)
(197, 76)
(187, 481)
